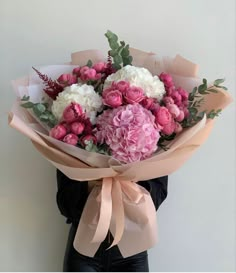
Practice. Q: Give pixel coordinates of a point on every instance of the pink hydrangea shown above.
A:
(129, 131)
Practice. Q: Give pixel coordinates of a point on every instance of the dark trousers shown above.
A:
(104, 260)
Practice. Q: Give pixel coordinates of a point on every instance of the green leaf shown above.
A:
(113, 53)
(89, 63)
(28, 104)
(218, 81)
(38, 109)
(111, 36)
(202, 88)
(117, 59)
(25, 98)
(43, 117)
(212, 90)
(223, 87)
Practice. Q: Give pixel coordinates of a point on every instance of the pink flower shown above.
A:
(122, 86)
(129, 131)
(176, 97)
(163, 116)
(67, 80)
(71, 139)
(178, 128)
(169, 128)
(167, 79)
(76, 71)
(77, 127)
(134, 95)
(184, 94)
(100, 67)
(180, 117)
(58, 132)
(186, 112)
(88, 74)
(173, 109)
(72, 112)
(86, 138)
(168, 100)
(147, 103)
(113, 98)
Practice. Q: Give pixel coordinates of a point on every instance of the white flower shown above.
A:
(140, 77)
(84, 94)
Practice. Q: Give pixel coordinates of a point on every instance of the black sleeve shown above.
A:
(157, 188)
(71, 197)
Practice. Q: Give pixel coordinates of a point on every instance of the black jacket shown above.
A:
(72, 195)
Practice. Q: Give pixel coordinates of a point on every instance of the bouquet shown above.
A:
(124, 117)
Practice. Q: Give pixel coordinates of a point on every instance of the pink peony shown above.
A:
(129, 131)
(76, 71)
(163, 116)
(173, 109)
(148, 103)
(58, 132)
(86, 138)
(72, 112)
(184, 94)
(169, 128)
(168, 100)
(134, 94)
(87, 74)
(67, 80)
(180, 117)
(100, 67)
(178, 128)
(166, 79)
(113, 98)
(71, 139)
(77, 127)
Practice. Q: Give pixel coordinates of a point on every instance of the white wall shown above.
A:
(197, 221)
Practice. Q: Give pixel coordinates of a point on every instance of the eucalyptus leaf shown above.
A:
(25, 98)
(89, 63)
(218, 81)
(28, 104)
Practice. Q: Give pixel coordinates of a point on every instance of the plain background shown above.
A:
(197, 221)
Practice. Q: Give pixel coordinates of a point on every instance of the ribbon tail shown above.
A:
(105, 211)
(118, 210)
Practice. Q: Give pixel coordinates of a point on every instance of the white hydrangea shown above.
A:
(140, 77)
(84, 94)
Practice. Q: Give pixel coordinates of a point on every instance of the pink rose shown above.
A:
(100, 67)
(86, 138)
(178, 128)
(67, 80)
(168, 100)
(147, 103)
(71, 139)
(173, 109)
(113, 98)
(134, 95)
(58, 132)
(76, 71)
(122, 86)
(166, 79)
(72, 112)
(163, 116)
(87, 74)
(180, 117)
(169, 128)
(77, 127)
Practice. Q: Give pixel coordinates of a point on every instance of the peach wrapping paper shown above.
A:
(118, 203)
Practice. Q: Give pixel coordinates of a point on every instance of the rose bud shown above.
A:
(67, 79)
(58, 132)
(77, 127)
(72, 112)
(180, 117)
(86, 138)
(122, 86)
(147, 103)
(174, 110)
(169, 128)
(71, 139)
(134, 94)
(66, 125)
(113, 98)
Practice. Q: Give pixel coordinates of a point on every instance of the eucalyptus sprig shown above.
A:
(119, 51)
(40, 110)
(196, 99)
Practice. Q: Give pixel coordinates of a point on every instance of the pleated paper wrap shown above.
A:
(119, 204)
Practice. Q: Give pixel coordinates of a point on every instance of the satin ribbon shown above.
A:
(111, 197)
